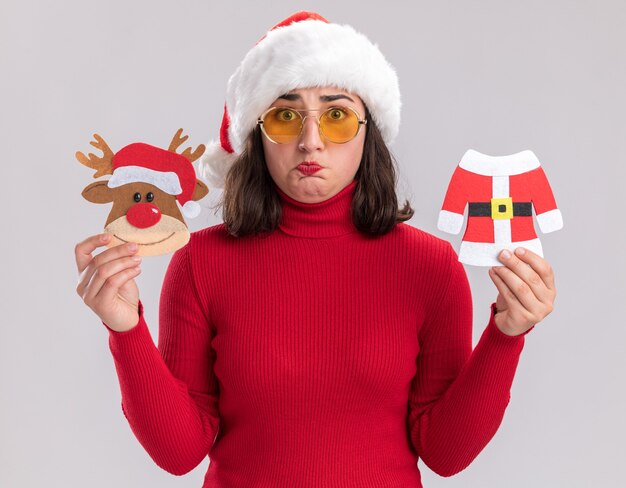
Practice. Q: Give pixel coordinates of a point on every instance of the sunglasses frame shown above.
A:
(361, 122)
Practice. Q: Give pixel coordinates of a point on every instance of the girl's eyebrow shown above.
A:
(291, 97)
(332, 98)
(295, 97)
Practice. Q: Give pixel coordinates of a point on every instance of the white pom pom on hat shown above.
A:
(302, 51)
(191, 209)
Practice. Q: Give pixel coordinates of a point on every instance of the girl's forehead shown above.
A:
(319, 91)
(317, 95)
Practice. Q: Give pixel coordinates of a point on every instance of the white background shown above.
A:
(495, 76)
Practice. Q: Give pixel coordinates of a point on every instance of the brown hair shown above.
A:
(251, 205)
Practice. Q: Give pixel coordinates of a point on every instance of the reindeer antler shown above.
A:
(177, 140)
(103, 165)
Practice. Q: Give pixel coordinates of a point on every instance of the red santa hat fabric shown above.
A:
(302, 51)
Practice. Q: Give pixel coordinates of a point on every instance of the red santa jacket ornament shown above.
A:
(500, 192)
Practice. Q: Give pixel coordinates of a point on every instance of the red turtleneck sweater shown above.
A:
(315, 356)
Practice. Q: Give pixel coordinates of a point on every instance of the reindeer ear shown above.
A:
(200, 191)
(98, 192)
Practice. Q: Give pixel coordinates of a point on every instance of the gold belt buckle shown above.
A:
(501, 208)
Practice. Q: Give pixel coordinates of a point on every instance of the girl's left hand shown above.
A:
(526, 290)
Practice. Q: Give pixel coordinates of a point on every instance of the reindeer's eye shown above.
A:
(150, 196)
(137, 197)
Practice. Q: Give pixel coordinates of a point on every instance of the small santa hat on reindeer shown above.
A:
(170, 172)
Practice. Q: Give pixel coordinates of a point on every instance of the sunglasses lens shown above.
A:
(282, 124)
(339, 125)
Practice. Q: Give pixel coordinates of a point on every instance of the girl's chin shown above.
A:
(310, 190)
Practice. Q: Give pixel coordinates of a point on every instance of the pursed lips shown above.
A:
(309, 167)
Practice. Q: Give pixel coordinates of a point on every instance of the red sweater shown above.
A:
(315, 356)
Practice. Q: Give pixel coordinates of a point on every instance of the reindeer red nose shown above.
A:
(143, 215)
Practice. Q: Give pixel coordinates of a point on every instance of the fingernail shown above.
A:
(506, 254)
(132, 246)
(520, 251)
(105, 237)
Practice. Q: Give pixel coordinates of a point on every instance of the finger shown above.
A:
(111, 254)
(115, 252)
(507, 295)
(527, 274)
(110, 289)
(105, 274)
(84, 249)
(538, 264)
(520, 289)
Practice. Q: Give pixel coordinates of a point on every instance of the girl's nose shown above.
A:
(311, 138)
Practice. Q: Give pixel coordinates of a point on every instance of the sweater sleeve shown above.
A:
(170, 394)
(458, 396)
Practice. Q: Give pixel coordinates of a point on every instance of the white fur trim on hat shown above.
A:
(166, 181)
(304, 54)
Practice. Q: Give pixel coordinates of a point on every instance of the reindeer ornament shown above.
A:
(145, 186)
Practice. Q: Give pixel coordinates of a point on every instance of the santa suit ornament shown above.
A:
(500, 193)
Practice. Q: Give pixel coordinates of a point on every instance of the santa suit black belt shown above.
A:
(500, 208)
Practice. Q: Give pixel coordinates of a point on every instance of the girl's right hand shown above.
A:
(106, 282)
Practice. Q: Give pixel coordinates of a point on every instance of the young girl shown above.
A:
(313, 339)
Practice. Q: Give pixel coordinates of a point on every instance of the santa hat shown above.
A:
(170, 172)
(303, 51)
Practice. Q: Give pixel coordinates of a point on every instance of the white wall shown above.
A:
(496, 76)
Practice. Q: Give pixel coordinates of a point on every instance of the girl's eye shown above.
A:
(336, 114)
(137, 197)
(286, 115)
(150, 196)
